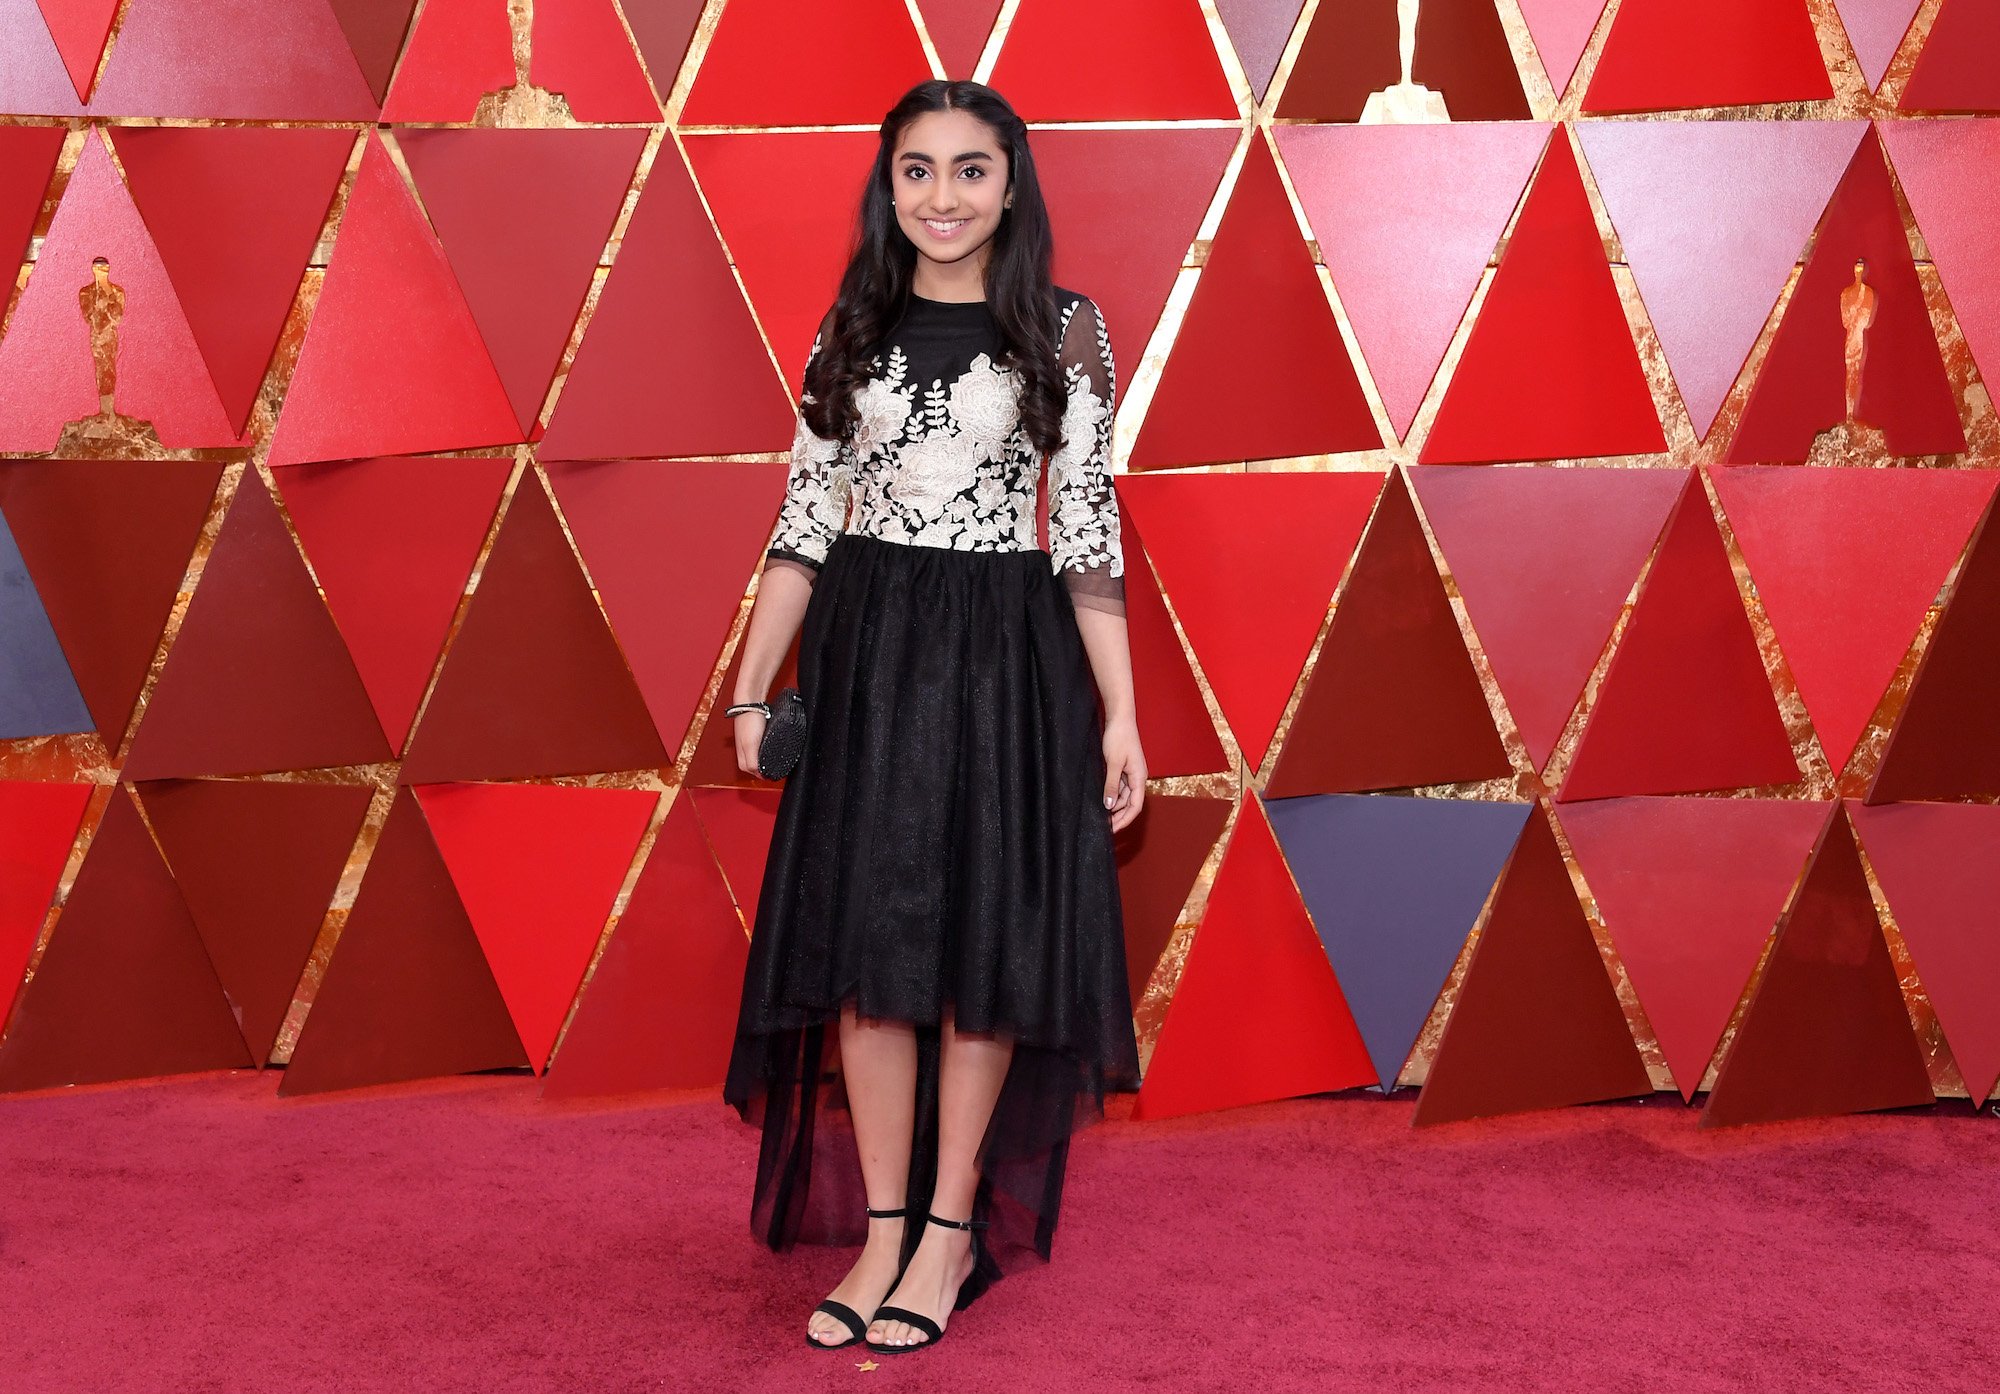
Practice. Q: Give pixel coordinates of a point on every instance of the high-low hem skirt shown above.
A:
(941, 843)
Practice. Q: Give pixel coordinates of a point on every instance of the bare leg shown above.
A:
(879, 1062)
(973, 1068)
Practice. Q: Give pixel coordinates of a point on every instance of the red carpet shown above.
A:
(200, 1234)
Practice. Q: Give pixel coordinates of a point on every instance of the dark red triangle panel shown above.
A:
(257, 678)
(537, 867)
(1550, 369)
(523, 216)
(958, 30)
(1690, 890)
(1257, 1014)
(659, 1011)
(1536, 1023)
(124, 989)
(407, 993)
(108, 543)
(1826, 1031)
(1945, 744)
(1248, 562)
(393, 362)
(696, 382)
(1801, 389)
(1701, 53)
(1686, 704)
(47, 375)
(375, 30)
(1955, 72)
(1939, 866)
(392, 543)
(1393, 701)
(778, 63)
(236, 212)
(533, 684)
(1112, 60)
(257, 862)
(1847, 563)
(271, 60)
(1462, 53)
(1544, 557)
(671, 547)
(1159, 857)
(1260, 335)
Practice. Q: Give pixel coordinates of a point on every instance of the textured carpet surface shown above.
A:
(200, 1234)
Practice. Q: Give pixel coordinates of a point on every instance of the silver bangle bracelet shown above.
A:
(764, 707)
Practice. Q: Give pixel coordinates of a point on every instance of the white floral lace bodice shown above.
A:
(939, 458)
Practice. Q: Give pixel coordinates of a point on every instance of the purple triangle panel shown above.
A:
(38, 693)
(1394, 886)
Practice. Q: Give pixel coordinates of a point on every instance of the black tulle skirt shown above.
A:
(941, 842)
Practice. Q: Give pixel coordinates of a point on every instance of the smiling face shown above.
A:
(949, 181)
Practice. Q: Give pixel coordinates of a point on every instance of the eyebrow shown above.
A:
(968, 155)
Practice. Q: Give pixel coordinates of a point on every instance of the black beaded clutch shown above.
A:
(784, 735)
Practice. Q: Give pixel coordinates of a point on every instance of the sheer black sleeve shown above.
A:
(816, 490)
(1084, 540)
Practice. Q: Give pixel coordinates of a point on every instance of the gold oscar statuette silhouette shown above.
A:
(1407, 101)
(1852, 440)
(107, 435)
(522, 103)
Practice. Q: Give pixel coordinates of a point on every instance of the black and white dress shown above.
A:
(943, 839)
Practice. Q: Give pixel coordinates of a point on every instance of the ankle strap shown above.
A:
(955, 1224)
(889, 1214)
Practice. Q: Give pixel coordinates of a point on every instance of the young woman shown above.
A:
(941, 886)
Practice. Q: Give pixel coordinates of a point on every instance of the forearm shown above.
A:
(1105, 641)
(782, 594)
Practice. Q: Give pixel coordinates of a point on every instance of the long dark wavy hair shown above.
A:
(875, 289)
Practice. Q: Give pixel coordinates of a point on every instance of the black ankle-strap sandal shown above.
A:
(843, 1313)
(933, 1333)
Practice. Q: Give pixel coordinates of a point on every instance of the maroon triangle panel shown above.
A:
(257, 679)
(1826, 1031)
(1259, 335)
(257, 862)
(1537, 1023)
(1394, 701)
(108, 542)
(1351, 51)
(659, 1010)
(1159, 856)
(696, 382)
(408, 993)
(235, 212)
(534, 684)
(1686, 704)
(1801, 389)
(1945, 744)
(523, 216)
(1939, 868)
(663, 30)
(670, 546)
(124, 989)
(375, 30)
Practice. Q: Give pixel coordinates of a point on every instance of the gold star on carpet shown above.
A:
(869, 1365)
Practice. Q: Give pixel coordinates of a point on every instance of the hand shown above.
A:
(748, 734)
(1124, 772)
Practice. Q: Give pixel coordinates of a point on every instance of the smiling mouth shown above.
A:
(944, 229)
